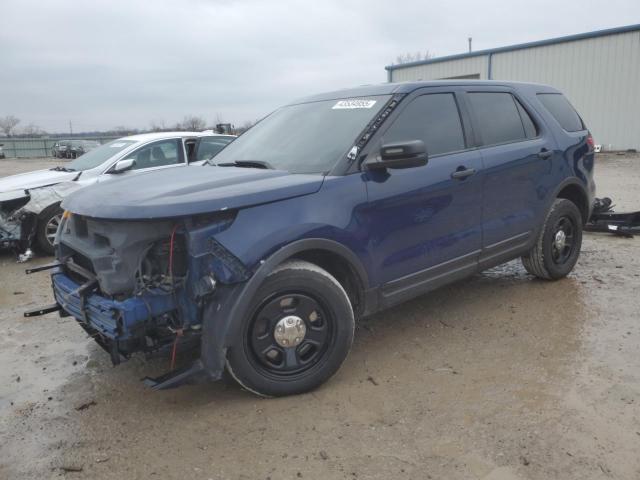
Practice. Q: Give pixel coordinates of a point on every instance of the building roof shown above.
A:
(520, 46)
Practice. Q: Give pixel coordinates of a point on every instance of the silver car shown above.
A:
(30, 202)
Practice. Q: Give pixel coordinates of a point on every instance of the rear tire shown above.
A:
(48, 222)
(558, 245)
(297, 334)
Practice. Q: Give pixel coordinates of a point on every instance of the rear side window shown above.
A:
(498, 117)
(562, 111)
(432, 118)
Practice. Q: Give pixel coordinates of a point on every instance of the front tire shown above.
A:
(297, 334)
(46, 228)
(558, 246)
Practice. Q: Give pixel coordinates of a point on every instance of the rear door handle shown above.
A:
(463, 173)
(544, 154)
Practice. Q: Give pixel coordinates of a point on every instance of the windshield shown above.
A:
(99, 155)
(304, 138)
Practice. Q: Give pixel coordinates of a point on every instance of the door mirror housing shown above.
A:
(399, 155)
(123, 165)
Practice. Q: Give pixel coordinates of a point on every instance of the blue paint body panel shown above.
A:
(188, 191)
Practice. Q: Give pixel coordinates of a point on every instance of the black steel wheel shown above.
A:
(297, 334)
(558, 245)
(289, 334)
(562, 245)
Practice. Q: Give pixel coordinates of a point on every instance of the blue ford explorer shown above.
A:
(331, 208)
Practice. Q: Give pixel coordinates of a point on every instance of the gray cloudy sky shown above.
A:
(103, 63)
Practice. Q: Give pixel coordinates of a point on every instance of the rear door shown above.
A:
(425, 222)
(517, 153)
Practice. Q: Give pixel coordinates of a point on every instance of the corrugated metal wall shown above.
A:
(451, 68)
(600, 76)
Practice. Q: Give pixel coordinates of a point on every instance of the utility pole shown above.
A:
(70, 128)
(470, 40)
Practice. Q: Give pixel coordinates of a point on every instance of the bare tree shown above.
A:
(32, 130)
(7, 124)
(157, 125)
(413, 57)
(122, 130)
(193, 123)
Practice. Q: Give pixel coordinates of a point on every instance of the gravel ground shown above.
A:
(498, 377)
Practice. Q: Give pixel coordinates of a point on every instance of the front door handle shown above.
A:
(544, 154)
(462, 173)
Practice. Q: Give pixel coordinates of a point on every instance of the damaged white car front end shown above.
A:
(20, 211)
(30, 209)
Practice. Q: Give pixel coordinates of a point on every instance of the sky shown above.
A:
(100, 64)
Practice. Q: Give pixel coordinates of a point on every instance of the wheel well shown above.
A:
(576, 195)
(341, 270)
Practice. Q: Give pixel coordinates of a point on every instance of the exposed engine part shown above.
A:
(204, 286)
(162, 268)
(605, 219)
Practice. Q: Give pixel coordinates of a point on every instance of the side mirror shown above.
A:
(123, 165)
(399, 155)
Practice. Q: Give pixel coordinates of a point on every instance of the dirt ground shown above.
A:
(499, 377)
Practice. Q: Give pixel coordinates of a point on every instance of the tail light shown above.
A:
(590, 141)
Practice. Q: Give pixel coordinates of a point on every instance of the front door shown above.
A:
(425, 222)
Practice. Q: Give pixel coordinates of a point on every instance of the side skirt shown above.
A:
(410, 286)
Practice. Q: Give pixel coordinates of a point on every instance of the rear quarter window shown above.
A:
(560, 108)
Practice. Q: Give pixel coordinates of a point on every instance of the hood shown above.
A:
(177, 192)
(39, 178)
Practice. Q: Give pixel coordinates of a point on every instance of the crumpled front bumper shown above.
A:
(119, 326)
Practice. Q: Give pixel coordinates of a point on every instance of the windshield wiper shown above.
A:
(62, 169)
(247, 164)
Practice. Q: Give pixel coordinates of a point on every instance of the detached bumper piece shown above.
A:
(54, 307)
(176, 378)
(605, 219)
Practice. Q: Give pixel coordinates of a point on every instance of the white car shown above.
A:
(30, 202)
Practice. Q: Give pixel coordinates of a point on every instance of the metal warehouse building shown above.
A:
(599, 72)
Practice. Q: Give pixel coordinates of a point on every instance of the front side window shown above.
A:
(304, 138)
(432, 118)
(209, 147)
(562, 111)
(158, 154)
(497, 117)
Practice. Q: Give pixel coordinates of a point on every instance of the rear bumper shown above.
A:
(121, 325)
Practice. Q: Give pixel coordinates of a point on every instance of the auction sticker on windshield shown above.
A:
(354, 103)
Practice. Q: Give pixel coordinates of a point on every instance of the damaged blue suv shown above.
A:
(329, 209)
